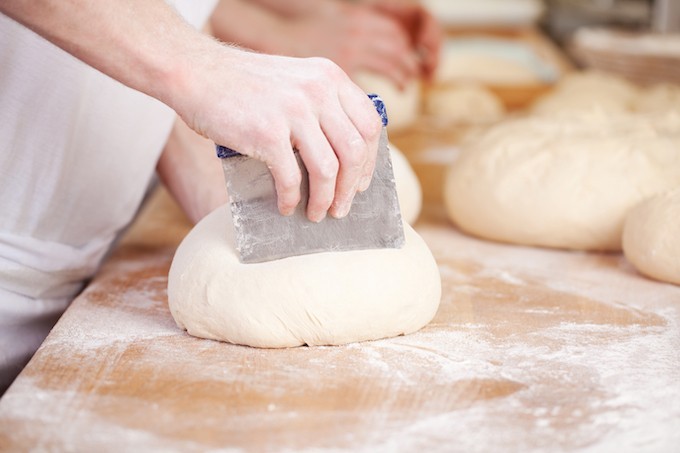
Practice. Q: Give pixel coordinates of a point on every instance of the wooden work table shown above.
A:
(531, 350)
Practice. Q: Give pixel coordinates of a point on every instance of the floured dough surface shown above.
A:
(319, 299)
(403, 106)
(466, 103)
(589, 90)
(659, 98)
(490, 60)
(489, 69)
(409, 192)
(651, 237)
(564, 181)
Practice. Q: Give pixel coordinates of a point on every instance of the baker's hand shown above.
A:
(354, 36)
(424, 30)
(264, 106)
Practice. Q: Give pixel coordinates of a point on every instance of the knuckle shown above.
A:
(269, 136)
(287, 205)
(288, 198)
(328, 170)
(327, 68)
(290, 181)
(355, 155)
(372, 129)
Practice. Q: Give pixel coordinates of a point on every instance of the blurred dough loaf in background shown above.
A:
(651, 237)
(564, 181)
(466, 103)
(408, 186)
(662, 97)
(587, 90)
(403, 106)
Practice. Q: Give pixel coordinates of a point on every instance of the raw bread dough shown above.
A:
(465, 103)
(319, 299)
(564, 182)
(488, 69)
(485, 13)
(651, 237)
(403, 106)
(588, 90)
(659, 98)
(498, 61)
(409, 192)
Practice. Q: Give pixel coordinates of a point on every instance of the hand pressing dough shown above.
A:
(320, 299)
(564, 182)
(588, 90)
(409, 192)
(403, 106)
(651, 237)
(465, 103)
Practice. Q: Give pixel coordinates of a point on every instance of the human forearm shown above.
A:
(191, 172)
(293, 8)
(144, 45)
(260, 105)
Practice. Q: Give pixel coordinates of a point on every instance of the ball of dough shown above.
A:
(467, 103)
(659, 98)
(489, 69)
(651, 237)
(409, 192)
(563, 182)
(403, 106)
(588, 90)
(320, 299)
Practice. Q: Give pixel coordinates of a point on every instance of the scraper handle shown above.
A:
(224, 152)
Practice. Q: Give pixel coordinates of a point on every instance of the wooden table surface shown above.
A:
(531, 350)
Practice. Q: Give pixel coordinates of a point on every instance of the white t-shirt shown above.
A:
(77, 152)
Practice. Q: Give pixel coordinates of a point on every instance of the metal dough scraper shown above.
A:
(263, 234)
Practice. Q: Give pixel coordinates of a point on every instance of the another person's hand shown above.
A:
(263, 106)
(356, 37)
(424, 30)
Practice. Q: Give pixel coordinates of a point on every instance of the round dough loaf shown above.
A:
(409, 192)
(403, 106)
(465, 103)
(489, 69)
(564, 182)
(651, 237)
(588, 90)
(660, 98)
(318, 299)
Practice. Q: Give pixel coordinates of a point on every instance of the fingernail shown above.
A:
(317, 217)
(340, 210)
(287, 212)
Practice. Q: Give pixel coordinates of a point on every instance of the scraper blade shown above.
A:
(263, 234)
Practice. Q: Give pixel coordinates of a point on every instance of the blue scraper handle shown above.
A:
(224, 152)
